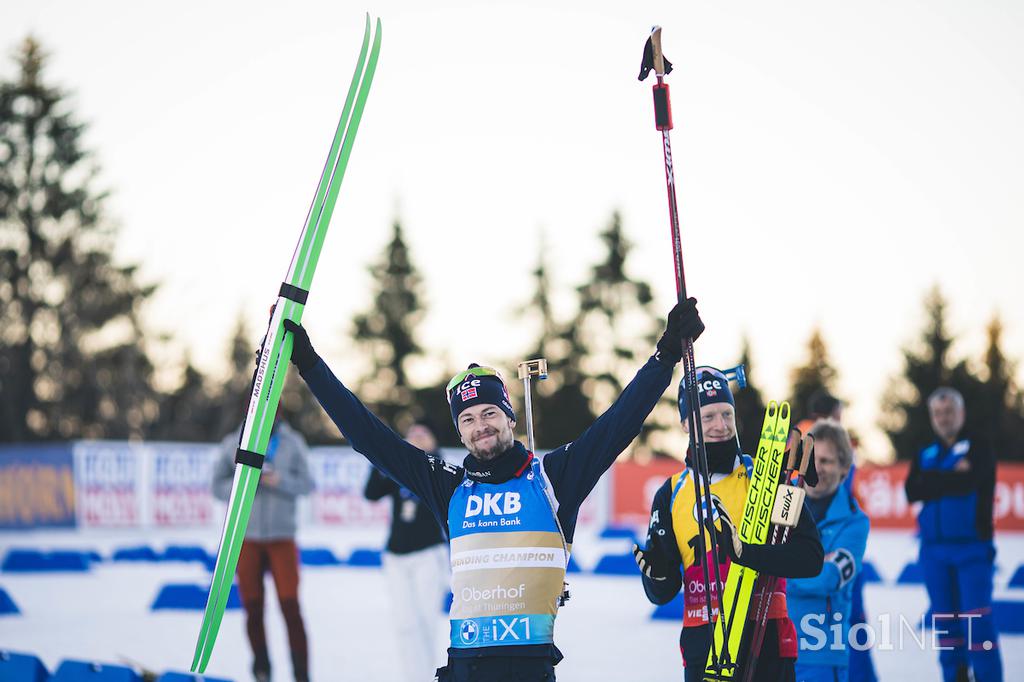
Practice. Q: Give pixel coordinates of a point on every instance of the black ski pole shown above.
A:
(654, 59)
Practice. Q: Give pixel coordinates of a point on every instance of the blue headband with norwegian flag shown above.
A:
(712, 387)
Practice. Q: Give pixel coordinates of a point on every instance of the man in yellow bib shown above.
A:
(670, 560)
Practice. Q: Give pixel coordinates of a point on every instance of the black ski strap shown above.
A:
(249, 458)
(293, 293)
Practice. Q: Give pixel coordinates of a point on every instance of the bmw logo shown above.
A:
(469, 631)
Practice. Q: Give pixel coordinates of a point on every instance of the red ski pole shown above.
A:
(654, 59)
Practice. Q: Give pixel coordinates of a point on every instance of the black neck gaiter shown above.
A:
(721, 456)
(500, 469)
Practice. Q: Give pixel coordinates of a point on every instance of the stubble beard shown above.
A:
(503, 442)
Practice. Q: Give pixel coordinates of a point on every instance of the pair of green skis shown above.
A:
(276, 349)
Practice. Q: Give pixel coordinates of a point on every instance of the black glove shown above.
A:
(728, 537)
(683, 323)
(303, 355)
(643, 561)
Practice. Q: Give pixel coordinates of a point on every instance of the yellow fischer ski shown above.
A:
(754, 529)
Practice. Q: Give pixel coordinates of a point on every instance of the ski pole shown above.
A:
(654, 59)
(527, 370)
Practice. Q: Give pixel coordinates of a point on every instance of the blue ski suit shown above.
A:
(957, 553)
(816, 604)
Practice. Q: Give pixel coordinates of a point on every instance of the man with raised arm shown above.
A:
(510, 516)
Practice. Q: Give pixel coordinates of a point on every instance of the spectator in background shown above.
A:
(824, 405)
(270, 541)
(416, 564)
(843, 527)
(955, 479)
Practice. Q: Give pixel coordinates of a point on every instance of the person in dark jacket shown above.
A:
(954, 477)
(415, 564)
(511, 517)
(669, 561)
(817, 604)
(269, 543)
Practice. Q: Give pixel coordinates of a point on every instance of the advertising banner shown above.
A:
(37, 488)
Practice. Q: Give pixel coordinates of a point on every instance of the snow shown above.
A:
(605, 632)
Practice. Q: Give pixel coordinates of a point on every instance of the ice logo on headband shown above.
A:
(709, 387)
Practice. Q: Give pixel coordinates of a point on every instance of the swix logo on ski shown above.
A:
(498, 504)
(709, 387)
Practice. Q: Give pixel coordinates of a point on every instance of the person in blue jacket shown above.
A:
(817, 604)
(955, 477)
(510, 516)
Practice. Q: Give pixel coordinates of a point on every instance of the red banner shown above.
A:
(879, 489)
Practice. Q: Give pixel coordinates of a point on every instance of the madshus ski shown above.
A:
(276, 348)
(754, 529)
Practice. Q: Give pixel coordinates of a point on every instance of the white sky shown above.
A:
(864, 150)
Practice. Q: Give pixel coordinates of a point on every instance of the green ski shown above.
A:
(276, 349)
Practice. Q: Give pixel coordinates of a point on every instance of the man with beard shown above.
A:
(510, 516)
(670, 561)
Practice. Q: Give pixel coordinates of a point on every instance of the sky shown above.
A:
(834, 162)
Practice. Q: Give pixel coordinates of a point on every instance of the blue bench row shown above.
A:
(17, 667)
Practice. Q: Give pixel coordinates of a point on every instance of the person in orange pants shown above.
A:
(269, 543)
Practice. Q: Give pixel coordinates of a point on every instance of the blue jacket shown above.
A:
(957, 505)
(814, 601)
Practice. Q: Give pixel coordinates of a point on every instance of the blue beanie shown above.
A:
(479, 390)
(712, 387)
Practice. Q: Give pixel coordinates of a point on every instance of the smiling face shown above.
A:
(717, 421)
(830, 468)
(485, 430)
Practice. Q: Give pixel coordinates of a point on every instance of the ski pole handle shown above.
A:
(659, 56)
(527, 370)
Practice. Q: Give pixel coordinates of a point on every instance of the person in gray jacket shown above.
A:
(270, 541)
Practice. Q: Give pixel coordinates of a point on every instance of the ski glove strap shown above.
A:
(293, 293)
(249, 458)
(303, 355)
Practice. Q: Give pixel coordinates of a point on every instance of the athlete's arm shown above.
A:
(575, 468)
(841, 564)
(431, 479)
(661, 574)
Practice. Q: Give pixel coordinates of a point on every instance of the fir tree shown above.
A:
(816, 374)
(561, 408)
(749, 405)
(387, 332)
(72, 360)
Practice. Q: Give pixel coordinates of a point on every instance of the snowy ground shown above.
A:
(605, 631)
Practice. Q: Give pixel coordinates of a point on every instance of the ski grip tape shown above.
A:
(249, 458)
(662, 107)
(293, 293)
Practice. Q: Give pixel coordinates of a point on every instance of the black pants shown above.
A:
(497, 669)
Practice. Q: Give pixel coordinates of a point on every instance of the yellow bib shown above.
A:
(729, 491)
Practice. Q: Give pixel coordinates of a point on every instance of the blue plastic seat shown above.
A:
(318, 556)
(33, 561)
(7, 606)
(188, 677)
(22, 667)
(141, 553)
(364, 557)
(186, 553)
(187, 597)
(88, 671)
(870, 573)
(911, 575)
(617, 564)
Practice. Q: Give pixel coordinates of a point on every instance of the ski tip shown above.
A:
(784, 410)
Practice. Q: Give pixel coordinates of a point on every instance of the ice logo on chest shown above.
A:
(498, 504)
